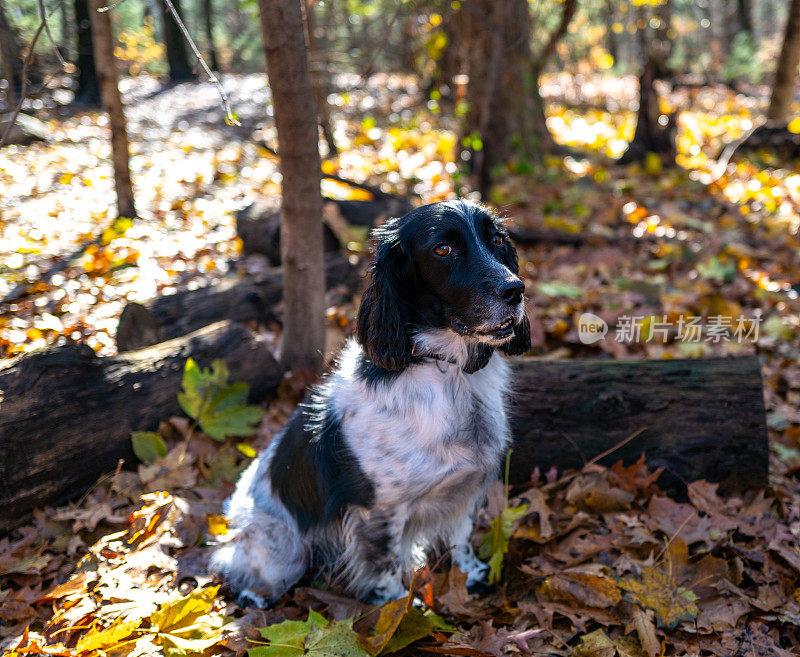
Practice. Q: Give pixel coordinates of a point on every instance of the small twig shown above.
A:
(229, 118)
(111, 6)
(377, 192)
(672, 538)
(613, 449)
(378, 50)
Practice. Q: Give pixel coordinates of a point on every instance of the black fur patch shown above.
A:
(375, 539)
(373, 375)
(314, 472)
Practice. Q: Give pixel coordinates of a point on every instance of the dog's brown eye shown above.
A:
(443, 250)
(497, 239)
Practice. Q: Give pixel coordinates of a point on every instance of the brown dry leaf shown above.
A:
(450, 591)
(89, 517)
(493, 641)
(536, 525)
(584, 588)
(76, 584)
(595, 644)
(676, 519)
(592, 491)
(627, 646)
(642, 622)
(32, 564)
(175, 470)
(722, 613)
(636, 478)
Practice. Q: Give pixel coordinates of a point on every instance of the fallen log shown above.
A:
(240, 300)
(699, 419)
(259, 224)
(66, 415)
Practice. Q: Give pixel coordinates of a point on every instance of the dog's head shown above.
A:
(446, 270)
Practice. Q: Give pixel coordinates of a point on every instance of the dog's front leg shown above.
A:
(462, 553)
(373, 563)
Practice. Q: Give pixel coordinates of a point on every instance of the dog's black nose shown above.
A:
(510, 291)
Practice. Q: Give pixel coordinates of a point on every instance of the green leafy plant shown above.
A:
(148, 446)
(494, 544)
(399, 624)
(218, 407)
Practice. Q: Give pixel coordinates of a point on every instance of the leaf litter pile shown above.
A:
(597, 562)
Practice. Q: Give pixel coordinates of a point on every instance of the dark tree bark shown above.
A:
(208, 20)
(301, 206)
(610, 15)
(701, 419)
(773, 133)
(66, 415)
(506, 108)
(651, 135)
(698, 419)
(88, 91)
(744, 16)
(10, 59)
(786, 74)
(180, 68)
(112, 102)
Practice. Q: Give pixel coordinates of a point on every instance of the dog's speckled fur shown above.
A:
(393, 452)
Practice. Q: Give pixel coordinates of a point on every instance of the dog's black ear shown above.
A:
(521, 342)
(381, 327)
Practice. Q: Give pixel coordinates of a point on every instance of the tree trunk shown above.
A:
(786, 74)
(208, 18)
(180, 69)
(744, 16)
(610, 15)
(301, 206)
(67, 415)
(112, 102)
(10, 59)
(701, 419)
(650, 136)
(88, 92)
(506, 118)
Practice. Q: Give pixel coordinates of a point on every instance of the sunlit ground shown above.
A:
(192, 173)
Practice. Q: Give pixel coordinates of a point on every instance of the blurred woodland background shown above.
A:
(646, 156)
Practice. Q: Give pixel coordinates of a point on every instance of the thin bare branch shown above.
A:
(549, 48)
(43, 16)
(229, 118)
(24, 87)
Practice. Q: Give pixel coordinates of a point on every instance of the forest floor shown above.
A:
(599, 562)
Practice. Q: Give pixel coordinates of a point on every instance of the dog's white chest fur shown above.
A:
(431, 434)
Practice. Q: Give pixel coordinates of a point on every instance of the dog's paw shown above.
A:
(391, 588)
(248, 598)
(477, 572)
(479, 588)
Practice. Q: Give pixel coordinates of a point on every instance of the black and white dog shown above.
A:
(393, 452)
